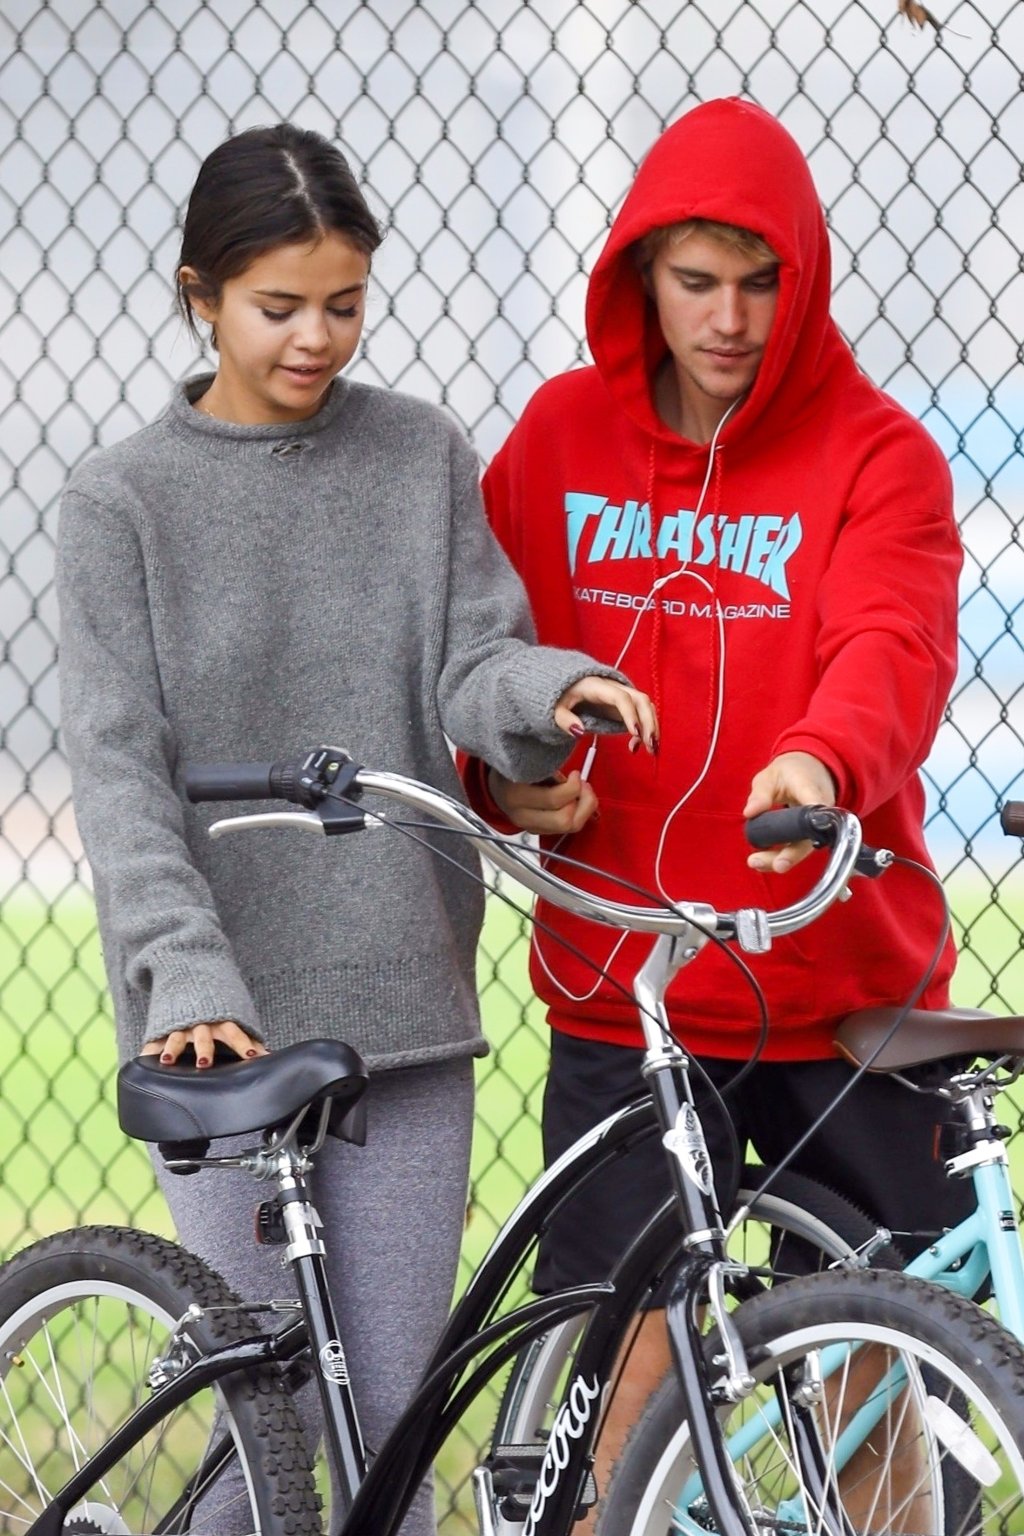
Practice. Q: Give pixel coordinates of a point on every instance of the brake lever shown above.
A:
(308, 820)
(331, 818)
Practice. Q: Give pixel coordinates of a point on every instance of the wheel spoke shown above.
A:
(82, 1317)
(905, 1421)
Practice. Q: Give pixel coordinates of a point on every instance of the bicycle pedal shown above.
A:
(514, 1472)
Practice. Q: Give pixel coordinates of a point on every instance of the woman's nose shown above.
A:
(313, 335)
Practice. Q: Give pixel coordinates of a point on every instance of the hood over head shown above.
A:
(731, 162)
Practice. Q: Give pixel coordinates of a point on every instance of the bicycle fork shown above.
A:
(700, 1277)
(701, 1281)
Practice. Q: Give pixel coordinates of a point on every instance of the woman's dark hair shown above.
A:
(260, 189)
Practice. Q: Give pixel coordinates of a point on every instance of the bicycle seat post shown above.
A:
(287, 1165)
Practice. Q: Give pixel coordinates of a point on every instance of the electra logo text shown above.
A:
(756, 544)
(570, 1423)
(333, 1364)
(686, 1141)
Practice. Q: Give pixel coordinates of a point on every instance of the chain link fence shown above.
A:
(495, 139)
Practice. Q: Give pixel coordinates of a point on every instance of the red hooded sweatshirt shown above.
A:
(825, 556)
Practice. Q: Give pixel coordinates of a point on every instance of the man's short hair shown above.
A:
(747, 241)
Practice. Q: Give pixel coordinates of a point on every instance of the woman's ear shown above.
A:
(198, 294)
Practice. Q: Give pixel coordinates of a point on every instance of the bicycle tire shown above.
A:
(829, 1229)
(962, 1386)
(82, 1316)
(817, 1217)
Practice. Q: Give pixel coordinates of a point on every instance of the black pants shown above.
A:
(877, 1149)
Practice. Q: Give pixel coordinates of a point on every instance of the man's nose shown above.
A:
(730, 312)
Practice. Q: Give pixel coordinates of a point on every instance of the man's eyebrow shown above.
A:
(768, 269)
(297, 298)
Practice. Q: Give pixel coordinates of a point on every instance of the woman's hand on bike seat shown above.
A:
(203, 1040)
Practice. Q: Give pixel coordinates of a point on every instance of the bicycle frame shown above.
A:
(405, 1458)
(987, 1241)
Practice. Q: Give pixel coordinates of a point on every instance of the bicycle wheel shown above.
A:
(796, 1219)
(916, 1399)
(83, 1317)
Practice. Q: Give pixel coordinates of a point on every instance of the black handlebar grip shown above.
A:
(231, 781)
(1011, 818)
(792, 825)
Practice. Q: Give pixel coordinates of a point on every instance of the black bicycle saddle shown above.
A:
(178, 1103)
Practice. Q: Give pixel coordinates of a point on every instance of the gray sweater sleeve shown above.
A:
(171, 945)
(498, 689)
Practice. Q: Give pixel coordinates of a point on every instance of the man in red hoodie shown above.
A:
(724, 505)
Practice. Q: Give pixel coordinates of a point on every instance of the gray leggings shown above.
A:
(393, 1212)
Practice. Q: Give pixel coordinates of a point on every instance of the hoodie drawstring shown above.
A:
(656, 618)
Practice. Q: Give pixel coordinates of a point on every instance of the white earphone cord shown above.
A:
(591, 753)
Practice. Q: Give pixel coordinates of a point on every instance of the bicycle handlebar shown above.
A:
(793, 824)
(1011, 818)
(326, 775)
(234, 781)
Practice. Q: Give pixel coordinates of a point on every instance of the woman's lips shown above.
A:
(303, 375)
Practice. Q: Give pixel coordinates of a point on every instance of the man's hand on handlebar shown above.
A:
(792, 778)
(203, 1039)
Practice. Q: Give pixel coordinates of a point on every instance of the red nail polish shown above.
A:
(167, 1057)
(577, 730)
(202, 1061)
(250, 1053)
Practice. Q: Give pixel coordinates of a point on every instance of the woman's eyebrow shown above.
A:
(296, 298)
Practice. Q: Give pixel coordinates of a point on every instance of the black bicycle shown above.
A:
(138, 1395)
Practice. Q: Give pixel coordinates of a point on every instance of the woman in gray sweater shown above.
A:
(285, 557)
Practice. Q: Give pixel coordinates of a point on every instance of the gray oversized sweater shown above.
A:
(242, 593)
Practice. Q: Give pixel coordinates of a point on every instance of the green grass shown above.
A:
(64, 1160)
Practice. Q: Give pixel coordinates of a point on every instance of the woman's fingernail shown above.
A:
(167, 1057)
(577, 730)
(634, 744)
(652, 746)
(250, 1053)
(202, 1061)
